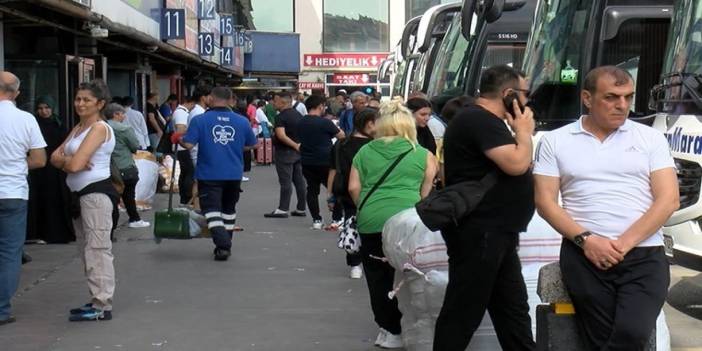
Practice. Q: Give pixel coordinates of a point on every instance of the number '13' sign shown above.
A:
(206, 44)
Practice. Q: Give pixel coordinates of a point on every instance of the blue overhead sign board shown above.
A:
(172, 24)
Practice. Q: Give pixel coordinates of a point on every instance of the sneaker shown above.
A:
(381, 337)
(277, 214)
(92, 314)
(392, 341)
(8, 320)
(221, 254)
(356, 272)
(245, 179)
(81, 309)
(139, 224)
(298, 213)
(143, 208)
(26, 258)
(317, 225)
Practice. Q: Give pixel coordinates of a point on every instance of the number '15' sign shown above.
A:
(172, 24)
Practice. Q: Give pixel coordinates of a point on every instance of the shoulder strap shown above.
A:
(382, 179)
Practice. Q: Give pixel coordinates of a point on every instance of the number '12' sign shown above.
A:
(205, 9)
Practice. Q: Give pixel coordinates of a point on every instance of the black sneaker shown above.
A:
(221, 254)
(26, 258)
(81, 309)
(8, 320)
(297, 213)
(93, 314)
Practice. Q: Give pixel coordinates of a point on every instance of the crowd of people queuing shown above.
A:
(375, 160)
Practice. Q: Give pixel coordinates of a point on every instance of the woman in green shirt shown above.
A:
(409, 181)
(126, 144)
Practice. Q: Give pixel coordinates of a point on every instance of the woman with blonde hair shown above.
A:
(389, 174)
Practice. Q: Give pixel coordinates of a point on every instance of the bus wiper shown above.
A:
(686, 80)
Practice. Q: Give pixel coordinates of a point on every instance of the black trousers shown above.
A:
(186, 178)
(247, 161)
(380, 276)
(484, 274)
(290, 173)
(129, 199)
(349, 210)
(316, 177)
(616, 309)
(218, 202)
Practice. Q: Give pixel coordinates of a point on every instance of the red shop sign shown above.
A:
(344, 60)
(351, 78)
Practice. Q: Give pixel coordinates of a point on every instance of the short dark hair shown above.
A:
(151, 95)
(452, 106)
(361, 119)
(127, 101)
(498, 78)
(417, 103)
(314, 101)
(189, 98)
(283, 95)
(221, 93)
(621, 77)
(97, 88)
(200, 91)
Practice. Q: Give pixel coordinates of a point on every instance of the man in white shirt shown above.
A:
(181, 121)
(201, 98)
(21, 149)
(135, 119)
(618, 186)
(299, 105)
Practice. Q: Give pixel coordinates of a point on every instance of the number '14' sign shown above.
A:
(227, 56)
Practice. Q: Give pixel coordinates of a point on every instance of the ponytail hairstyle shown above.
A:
(396, 121)
(98, 89)
(361, 120)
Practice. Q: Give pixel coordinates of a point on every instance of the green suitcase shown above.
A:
(170, 223)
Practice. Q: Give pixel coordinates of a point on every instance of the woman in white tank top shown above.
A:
(85, 156)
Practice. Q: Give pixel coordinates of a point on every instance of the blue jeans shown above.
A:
(13, 230)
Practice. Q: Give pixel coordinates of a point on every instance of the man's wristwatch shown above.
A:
(580, 238)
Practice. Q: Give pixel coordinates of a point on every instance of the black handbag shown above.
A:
(444, 208)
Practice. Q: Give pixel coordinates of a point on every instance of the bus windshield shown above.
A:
(447, 77)
(682, 71)
(552, 62)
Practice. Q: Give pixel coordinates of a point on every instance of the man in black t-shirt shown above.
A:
(484, 269)
(315, 134)
(287, 157)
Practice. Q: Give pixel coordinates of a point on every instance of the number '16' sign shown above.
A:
(172, 24)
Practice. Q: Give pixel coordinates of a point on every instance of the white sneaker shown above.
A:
(317, 225)
(392, 341)
(382, 334)
(356, 272)
(139, 224)
(245, 179)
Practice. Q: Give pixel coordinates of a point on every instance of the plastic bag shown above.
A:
(148, 178)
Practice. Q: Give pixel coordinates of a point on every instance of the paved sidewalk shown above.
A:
(286, 287)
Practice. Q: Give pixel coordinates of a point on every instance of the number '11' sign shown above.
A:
(172, 24)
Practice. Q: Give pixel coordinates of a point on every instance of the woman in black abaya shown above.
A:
(48, 218)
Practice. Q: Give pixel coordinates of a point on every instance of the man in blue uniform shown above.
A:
(221, 136)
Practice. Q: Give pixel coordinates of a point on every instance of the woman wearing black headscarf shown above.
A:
(49, 217)
(421, 110)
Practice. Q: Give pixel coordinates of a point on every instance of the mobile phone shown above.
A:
(508, 101)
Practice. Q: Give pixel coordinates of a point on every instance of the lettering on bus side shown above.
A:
(682, 143)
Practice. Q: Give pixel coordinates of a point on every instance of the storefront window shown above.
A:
(273, 15)
(360, 25)
(414, 8)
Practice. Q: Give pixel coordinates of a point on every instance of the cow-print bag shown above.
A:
(349, 239)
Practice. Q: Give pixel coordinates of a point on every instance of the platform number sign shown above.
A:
(227, 56)
(226, 25)
(206, 9)
(240, 38)
(172, 24)
(206, 44)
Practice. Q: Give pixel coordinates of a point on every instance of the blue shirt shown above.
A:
(346, 121)
(221, 136)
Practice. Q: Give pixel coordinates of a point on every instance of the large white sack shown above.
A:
(148, 178)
